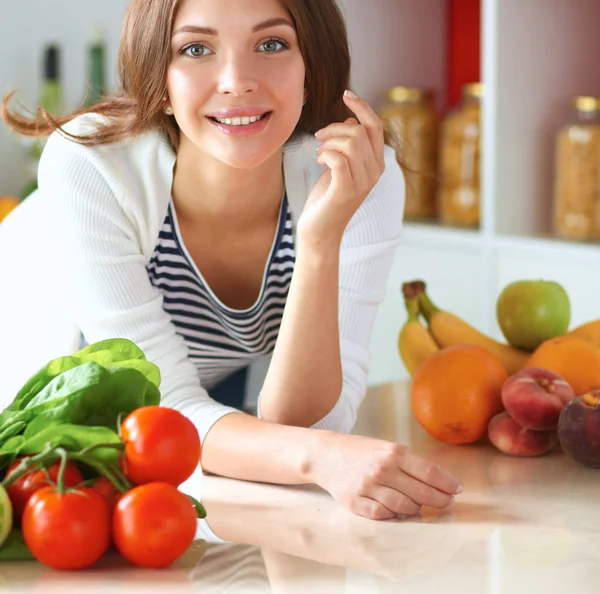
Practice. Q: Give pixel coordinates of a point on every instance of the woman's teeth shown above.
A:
(245, 121)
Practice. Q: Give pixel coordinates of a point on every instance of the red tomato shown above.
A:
(26, 485)
(105, 488)
(154, 524)
(69, 530)
(161, 444)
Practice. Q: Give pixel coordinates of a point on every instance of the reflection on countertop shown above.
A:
(523, 525)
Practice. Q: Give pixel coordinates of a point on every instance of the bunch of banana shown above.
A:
(590, 332)
(415, 343)
(448, 329)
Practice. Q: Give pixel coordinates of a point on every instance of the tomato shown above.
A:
(69, 530)
(26, 485)
(107, 489)
(154, 524)
(161, 444)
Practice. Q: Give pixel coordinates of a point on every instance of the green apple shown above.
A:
(532, 311)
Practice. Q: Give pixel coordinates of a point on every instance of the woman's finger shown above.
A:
(356, 145)
(354, 153)
(398, 502)
(419, 492)
(370, 120)
(341, 176)
(371, 509)
(429, 473)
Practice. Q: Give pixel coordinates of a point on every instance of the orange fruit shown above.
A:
(574, 359)
(7, 204)
(456, 392)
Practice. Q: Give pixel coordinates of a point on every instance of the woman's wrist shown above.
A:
(318, 448)
(325, 248)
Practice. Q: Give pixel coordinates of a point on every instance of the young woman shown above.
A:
(234, 201)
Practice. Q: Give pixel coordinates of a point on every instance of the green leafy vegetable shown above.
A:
(96, 387)
(150, 370)
(14, 548)
(90, 395)
(70, 437)
(40, 380)
(111, 350)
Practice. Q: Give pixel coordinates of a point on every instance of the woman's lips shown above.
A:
(247, 130)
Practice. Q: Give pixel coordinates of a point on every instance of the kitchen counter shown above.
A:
(522, 525)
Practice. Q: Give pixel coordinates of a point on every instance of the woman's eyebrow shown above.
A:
(275, 22)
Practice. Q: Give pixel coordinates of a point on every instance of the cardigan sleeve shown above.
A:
(366, 256)
(111, 291)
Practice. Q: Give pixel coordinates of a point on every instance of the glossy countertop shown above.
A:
(522, 525)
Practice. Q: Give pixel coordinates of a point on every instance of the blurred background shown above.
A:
(492, 104)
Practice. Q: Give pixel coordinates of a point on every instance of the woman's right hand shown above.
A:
(379, 479)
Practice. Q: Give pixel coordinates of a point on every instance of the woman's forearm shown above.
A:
(243, 447)
(304, 380)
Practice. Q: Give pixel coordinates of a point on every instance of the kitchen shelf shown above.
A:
(549, 247)
(437, 235)
(538, 56)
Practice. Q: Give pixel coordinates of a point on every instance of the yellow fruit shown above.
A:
(7, 204)
(415, 343)
(448, 329)
(590, 332)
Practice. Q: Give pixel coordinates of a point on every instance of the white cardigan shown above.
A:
(76, 253)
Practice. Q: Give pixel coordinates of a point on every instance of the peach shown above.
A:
(534, 397)
(579, 429)
(513, 439)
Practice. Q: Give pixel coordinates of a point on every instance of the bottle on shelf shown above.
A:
(459, 198)
(51, 99)
(411, 125)
(95, 68)
(576, 208)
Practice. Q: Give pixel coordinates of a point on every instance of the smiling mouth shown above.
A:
(240, 121)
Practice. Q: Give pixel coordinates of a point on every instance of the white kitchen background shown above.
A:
(536, 55)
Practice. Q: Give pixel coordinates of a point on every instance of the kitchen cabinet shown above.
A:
(535, 57)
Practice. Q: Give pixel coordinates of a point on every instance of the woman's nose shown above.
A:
(236, 76)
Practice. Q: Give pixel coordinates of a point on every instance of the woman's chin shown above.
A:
(246, 159)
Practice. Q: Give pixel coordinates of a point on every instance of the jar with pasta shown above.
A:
(411, 125)
(460, 148)
(577, 173)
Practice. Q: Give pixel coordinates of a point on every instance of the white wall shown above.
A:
(26, 26)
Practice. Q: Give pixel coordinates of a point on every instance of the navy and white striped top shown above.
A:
(221, 340)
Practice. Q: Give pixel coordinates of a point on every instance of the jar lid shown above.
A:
(475, 89)
(403, 94)
(586, 103)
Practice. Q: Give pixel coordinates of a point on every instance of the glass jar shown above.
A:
(411, 127)
(577, 173)
(460, 148)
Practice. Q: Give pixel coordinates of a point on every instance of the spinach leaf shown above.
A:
(150, 370)
(65, 398)
(12, 429)
(40, 380)
(72, 438)
(14, 548)
(90, 395)
(8, 448)
(110, 351)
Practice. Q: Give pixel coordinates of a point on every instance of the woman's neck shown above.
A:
(207, 189)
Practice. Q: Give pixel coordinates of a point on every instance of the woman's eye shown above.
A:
(273, 45)
(195, 50)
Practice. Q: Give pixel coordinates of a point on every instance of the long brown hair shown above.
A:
(145, 55)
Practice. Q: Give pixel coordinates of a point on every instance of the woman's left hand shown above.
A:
(353, 154)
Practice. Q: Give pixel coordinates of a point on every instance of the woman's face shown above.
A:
(236, 79)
